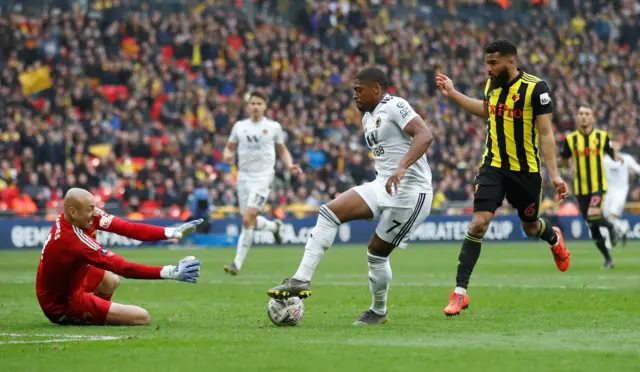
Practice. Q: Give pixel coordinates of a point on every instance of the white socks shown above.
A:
(460, 291)
(246, 238)
(265, 224)
(379, 279)
(321, 239)
(244, 243)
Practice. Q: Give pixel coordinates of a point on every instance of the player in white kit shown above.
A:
(256, 139)
(617, 173)
(400, 196)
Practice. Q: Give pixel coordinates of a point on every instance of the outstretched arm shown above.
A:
(91, 252)
(474, 106)
(137, 231)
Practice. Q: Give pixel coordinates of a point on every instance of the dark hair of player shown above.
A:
(373, 75)
(258, 94)
(502, 47)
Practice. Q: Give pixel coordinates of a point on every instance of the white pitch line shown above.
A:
(59, 338)
(45, 335)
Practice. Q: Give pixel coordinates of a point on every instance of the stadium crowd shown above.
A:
(137, 104)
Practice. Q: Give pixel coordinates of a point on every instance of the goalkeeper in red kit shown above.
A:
(77, 277)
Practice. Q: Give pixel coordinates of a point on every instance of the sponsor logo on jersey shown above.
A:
(504, 111)
(588, 151)
(106, 252)
(545, 99)
(105, 221)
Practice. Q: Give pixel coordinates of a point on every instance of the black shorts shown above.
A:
(591, 205)
(523, 191)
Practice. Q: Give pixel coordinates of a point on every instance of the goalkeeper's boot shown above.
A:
(231, 269)
(291, 288)
(371, 317)
(457, 303)
(277, 235)
(561, 253)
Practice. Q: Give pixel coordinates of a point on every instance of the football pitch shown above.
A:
(524, 315)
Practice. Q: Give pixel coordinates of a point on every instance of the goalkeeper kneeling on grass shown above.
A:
(77, 277)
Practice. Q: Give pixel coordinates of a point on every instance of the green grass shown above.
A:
(524, 315)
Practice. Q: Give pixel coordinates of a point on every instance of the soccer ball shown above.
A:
(287, 312)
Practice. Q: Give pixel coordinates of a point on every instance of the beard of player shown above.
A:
(76, 208)
(501, 80)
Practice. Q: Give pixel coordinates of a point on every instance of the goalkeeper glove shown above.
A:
(183, 230)
(187, 270)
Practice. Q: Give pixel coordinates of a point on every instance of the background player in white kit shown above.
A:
(256, 139)
(617, 173)
(400, 196)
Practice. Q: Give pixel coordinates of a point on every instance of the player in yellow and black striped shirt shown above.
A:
(587, 146)
(518, 109)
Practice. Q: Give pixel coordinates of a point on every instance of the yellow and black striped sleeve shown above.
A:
(541, 99)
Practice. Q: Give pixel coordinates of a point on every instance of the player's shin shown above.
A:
(467, 259)
(321, 239)
(265, 224)
(596, 235)
(379, 279)
(244, 244)
(547, 233)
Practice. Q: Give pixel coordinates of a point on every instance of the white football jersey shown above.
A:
(257, 144)
(618, 172)
(383, 131)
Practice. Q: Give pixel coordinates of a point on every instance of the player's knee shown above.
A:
(249, 217)
(108, 285)
(379, 247)
(144, 318)
(530, 228)
(139, 316)
(479, 225)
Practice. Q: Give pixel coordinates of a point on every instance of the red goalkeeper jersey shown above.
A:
(68, 251)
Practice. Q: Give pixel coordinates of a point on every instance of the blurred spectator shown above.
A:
(139, 102)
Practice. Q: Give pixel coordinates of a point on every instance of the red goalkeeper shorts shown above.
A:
(87, 308)
(93, 278)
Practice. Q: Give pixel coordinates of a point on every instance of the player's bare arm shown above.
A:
(287, 159)
(548, 151)
(474, 106)
(421, 140)
(229, 152)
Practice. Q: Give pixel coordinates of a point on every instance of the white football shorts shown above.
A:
(614, 202)
(399, 215)
(253, 190)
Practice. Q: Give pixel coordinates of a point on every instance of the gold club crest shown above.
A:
(378, 122)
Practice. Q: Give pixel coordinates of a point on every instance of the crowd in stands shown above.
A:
(137, 104)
